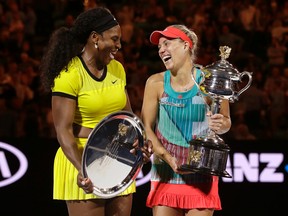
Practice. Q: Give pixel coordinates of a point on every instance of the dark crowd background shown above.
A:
(256, 30)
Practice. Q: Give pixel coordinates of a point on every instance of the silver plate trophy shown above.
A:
(107, 159)
(209, 154)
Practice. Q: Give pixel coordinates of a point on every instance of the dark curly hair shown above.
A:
(65, 43)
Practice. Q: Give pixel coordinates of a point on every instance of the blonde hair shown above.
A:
(192, 35)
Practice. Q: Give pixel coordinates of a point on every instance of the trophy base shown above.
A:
(207, 156)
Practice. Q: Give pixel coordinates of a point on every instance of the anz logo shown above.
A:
(256, 167)
(13, 164)
(252, 167)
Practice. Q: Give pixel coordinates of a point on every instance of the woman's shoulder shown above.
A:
(116, 68)
(157, 77)
(115, 64)
(71, 71)
(155, 83)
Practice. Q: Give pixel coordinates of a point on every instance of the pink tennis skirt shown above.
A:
(200, 195)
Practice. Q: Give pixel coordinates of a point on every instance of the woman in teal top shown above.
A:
(174, 112)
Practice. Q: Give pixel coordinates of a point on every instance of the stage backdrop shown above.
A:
(258, 184)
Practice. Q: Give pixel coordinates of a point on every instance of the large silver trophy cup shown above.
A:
(209, 154)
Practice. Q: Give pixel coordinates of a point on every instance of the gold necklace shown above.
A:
(188, 86)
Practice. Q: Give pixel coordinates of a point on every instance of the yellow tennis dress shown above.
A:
(96, 98)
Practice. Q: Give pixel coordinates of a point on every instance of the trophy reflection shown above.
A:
(209, 154)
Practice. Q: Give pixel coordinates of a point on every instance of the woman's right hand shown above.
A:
(174, 164)
(84, 183)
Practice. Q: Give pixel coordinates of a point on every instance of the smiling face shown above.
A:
(173, 52)
(108, 45)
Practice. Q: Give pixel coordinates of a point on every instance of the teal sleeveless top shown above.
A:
(181, 118)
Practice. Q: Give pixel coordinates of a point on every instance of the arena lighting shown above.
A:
(11, 155)
(252, 167)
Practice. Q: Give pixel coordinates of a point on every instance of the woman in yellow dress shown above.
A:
(87, 85)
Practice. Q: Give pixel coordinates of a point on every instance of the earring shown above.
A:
(96, 45)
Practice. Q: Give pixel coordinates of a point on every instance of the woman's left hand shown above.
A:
(146, 150)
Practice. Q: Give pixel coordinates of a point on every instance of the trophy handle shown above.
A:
(247, 85)
(203, 74)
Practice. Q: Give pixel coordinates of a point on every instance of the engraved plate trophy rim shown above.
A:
(107, 136)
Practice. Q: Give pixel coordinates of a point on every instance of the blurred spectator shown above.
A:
(125, 18)
(241, 132)
(27, 61)
(278, 30)
(276, 53)
(247, 13)
(29, 22)
(5, 78)
(8, 116)
(234, 41)
(226, 13)
(275, 87)
(284, 13)
(88, 4)
(24, 93)
(15, 18)
(255, 102)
